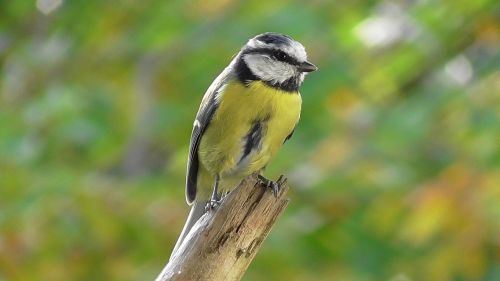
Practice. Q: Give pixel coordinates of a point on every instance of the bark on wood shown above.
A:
(222, 244)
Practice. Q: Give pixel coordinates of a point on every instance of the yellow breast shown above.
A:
(223, 143)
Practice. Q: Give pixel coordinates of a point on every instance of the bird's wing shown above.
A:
(208, 106)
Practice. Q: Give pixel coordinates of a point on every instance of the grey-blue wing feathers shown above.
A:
(207, 109)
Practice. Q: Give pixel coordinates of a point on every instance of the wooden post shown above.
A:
(222, 244)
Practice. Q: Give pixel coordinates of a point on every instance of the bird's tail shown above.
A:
(197, 210)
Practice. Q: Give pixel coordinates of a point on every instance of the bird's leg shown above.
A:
(274, 185)
(214, 200)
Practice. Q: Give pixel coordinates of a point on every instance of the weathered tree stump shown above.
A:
(224, 241)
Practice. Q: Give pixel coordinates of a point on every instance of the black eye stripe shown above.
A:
(276, 54)
(281, 56)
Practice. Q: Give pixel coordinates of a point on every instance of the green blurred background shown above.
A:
(394, 167)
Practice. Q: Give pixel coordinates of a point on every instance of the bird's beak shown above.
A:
(307, 67)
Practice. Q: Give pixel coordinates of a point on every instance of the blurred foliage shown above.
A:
(394, 167)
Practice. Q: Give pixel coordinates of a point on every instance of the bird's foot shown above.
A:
(214, 202)
(273, 185)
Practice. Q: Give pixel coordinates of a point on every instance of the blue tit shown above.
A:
(248, 112)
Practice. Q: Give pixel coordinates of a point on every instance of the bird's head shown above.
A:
(275, 59)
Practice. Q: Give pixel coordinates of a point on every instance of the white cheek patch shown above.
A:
(268, 69)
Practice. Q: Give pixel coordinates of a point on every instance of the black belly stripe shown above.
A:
(253, 139)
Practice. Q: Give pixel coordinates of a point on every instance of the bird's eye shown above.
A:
(281, 56)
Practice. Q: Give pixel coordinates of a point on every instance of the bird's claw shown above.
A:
(273, 185)
(212, 204)
(215, 201)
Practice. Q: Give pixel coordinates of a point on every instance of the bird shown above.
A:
(248, 112)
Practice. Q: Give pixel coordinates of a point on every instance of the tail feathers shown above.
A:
(197, 210)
